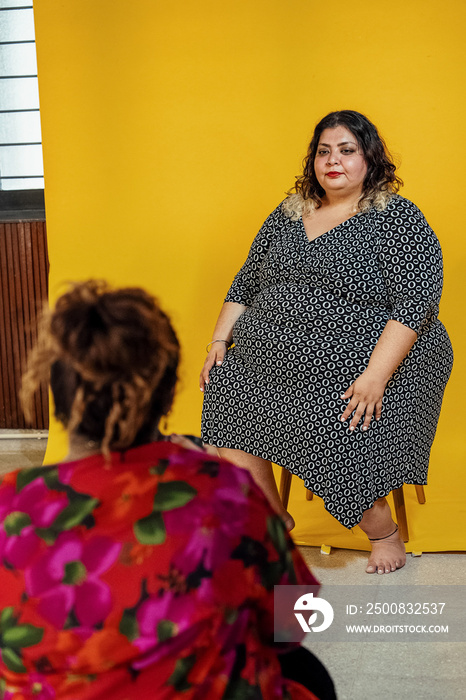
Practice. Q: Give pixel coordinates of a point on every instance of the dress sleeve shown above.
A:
(411, 263)
(246, 284)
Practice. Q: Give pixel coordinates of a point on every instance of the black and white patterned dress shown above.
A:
(315, 310)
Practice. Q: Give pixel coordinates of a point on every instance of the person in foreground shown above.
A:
(139, 567)
(328, 357)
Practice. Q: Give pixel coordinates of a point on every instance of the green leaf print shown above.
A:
(47, 534)
(22, 636)
(129, 626)
(150, 530)
(276, 530)
(242, 690)
(13, 661)
(179, 677)
(26, 476)
(173, 494)
(77, 511)
(160, 468)
(51, 478)
(7, 619)
(49, 475)
(13, 637)
(271, 574)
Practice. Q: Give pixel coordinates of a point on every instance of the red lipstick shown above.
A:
(334, 173)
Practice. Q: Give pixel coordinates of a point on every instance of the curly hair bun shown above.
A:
(106, 334)
(113, 356)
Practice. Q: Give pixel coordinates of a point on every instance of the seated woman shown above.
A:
(136, 568)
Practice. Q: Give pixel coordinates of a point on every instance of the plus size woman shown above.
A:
(328, 357)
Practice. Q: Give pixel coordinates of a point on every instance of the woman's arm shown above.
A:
(241, 295)
(366, 392)
(229, 314)
(410, 261)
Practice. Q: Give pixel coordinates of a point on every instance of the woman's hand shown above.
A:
(214, 357)
(223, 333)
(184, 441)
(365, 395)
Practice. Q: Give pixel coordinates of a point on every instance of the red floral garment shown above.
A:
(148, 577)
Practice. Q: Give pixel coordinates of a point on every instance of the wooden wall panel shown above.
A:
(23, 291)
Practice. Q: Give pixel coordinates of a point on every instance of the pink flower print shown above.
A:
(37, 688)
(35, 506)
(213, 526)
(67, 577)
(163, 617)
(166, 624)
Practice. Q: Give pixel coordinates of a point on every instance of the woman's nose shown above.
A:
(332, 158)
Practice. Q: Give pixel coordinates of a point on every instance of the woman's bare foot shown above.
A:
(388, 555)
(388, 550)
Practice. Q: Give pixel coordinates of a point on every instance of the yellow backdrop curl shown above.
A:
(171, 130)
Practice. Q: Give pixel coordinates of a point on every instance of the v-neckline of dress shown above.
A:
(326, 233)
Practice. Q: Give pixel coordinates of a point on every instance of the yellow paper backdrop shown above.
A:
(171, 130)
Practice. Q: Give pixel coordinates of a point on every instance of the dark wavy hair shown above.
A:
(380, 178)
(111, 357)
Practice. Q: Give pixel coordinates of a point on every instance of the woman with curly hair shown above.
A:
(328, 357)
(139, 566)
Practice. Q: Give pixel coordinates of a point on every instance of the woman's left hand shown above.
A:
(365, 395)
(184, 441)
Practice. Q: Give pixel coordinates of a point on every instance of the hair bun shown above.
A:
(120, 347)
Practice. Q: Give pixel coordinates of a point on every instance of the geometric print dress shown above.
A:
(315, 310)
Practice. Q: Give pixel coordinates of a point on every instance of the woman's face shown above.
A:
(339, 165)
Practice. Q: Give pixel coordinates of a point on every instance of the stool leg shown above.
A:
(285, 485)
(421, 496)
(400, 510)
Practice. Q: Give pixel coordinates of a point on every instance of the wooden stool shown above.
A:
(398, 499)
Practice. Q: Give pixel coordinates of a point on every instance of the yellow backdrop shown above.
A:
(171, 130)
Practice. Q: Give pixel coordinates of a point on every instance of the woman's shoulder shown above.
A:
(401, 213)
(401, 207)
(280, 215)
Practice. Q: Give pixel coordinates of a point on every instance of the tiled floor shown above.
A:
(18, 451)
(406, 671)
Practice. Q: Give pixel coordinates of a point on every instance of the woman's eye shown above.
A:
(347, 151)
(322, 153)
